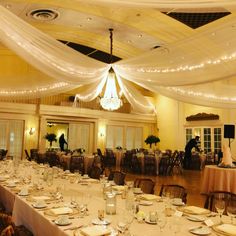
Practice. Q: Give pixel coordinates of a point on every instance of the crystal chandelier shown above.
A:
(110, 101)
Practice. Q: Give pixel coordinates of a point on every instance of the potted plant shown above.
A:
(51, 138)
(152, 139)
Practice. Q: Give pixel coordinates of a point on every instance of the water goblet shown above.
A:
(231, 210)
(161, 222)
(220, 207)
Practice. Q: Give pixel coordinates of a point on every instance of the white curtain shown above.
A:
(134, 137)
(3, 134)
(166, 3)
(200, 59)
(79, 136)
(114, 136)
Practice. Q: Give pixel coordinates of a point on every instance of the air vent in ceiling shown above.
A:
(43, 14)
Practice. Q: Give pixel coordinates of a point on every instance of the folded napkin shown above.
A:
(227, 228)
(148, 197)
(118, 187)
(227, 157)
(61, 211)
(41, 198)
(195, 210)
(95, 231)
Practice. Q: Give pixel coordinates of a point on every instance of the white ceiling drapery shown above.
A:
(189, 64)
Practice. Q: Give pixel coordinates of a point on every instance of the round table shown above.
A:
(218, 179)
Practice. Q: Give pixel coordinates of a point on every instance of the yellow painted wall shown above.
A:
(171, 120)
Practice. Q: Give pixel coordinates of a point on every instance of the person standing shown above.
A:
(62, 141)
(193, 143)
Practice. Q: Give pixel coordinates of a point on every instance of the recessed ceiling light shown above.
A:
(213, 33)
(43, 14)
(140, 35)
(89, 18)
(129, 41)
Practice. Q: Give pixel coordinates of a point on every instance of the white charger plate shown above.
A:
(202, 230)
(39, 207)
(101, 222)
(147, 220)
(62, 223)
(145, 203)
(196, 218)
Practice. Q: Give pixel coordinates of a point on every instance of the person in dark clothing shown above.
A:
(62, 141)
(193, 143)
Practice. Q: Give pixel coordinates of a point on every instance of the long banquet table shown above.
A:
(218, 179)
(88, 190)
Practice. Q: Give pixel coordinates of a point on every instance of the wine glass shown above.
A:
(161, 222)
(220, 207)
(231, 210)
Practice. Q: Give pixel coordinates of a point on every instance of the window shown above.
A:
(207, 139)
(210, 137)
(114, 136)
(134, 137)
(188, 135)
(11, 137)
(217, 140)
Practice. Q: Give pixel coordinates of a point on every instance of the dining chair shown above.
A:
(212, 198)
(77, 163)
(150, 166)
(147, 185)
(118, 177)
(174, 190)
(95, 172)
(136, 166)
(27, 155)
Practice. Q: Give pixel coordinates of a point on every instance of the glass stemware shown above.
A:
(231, 210)
(220, 207)
(161, 222)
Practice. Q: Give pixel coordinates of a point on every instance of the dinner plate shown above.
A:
(62, 223)
(39, 206)
(201, 230)
(101, 222)
(196, 218)
(145, 203)
(147, 220)
(23, 194)
(223, 231)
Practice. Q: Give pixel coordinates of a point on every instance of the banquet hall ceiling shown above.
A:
(137, 29)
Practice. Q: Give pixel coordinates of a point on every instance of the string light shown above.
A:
(32, 91)
(201, 94)
(186, 67)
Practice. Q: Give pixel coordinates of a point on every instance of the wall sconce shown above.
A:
(101, 134)
(32, 131)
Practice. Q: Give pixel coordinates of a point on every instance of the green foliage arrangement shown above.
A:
(50, 138)
(152, 139)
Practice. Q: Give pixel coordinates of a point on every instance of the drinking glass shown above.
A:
(220, 207)
(231, 210)
(161, 222)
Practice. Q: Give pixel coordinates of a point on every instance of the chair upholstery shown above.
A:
(27, 155)
(150, 165)
(109, 158)
(213, 196)
(52, 159)
(95, 172)
(136, 165)
(77, 163)
(118, 177)
(146, 185)
(34, 154)
(176, 191)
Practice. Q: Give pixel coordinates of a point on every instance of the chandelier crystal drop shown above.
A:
(110, 101)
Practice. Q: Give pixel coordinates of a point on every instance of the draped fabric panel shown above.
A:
(185, 69)
(167, 3)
